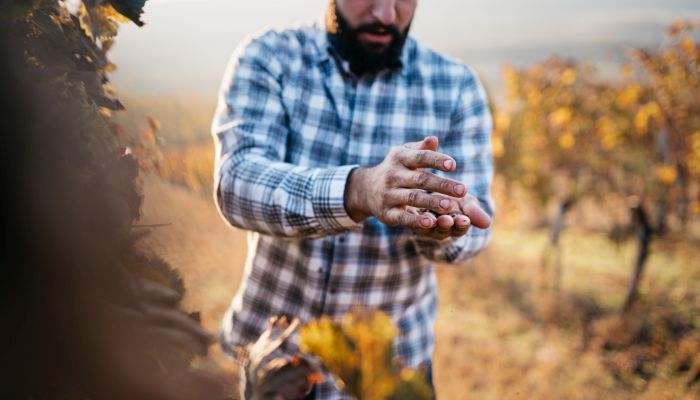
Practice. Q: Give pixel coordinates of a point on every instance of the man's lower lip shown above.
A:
(374, 37)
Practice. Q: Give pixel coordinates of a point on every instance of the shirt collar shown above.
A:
(324, 49)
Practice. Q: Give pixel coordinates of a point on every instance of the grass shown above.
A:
(503, 335)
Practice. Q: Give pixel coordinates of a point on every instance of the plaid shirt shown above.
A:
(291, 124)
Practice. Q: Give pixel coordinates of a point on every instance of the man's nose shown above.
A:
(384, 11)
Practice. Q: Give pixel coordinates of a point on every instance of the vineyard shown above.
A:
(597, 231)
(119, 268)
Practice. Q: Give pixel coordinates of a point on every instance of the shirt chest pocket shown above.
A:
(315, 137)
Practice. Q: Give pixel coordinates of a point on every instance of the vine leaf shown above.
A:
(276, 369)
(359, 351)
(131, 9)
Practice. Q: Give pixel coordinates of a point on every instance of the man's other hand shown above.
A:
(394, 189)
(458, 224)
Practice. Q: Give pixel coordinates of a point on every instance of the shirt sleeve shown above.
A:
(468, 141)
(253, 188)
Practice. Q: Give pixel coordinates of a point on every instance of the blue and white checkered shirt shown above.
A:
(291, 124)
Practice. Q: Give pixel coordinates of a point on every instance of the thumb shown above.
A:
(478, 217)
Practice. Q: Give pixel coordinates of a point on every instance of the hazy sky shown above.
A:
(185, 44)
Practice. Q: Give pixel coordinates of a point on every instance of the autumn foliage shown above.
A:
(568, 131)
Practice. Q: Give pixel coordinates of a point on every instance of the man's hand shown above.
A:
(456, 225)
(394, 189)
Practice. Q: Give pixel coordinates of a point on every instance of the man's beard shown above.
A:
(365, 58)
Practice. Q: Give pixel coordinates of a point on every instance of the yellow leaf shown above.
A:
(529, 163)
(694, 163)
(688, 45)
(647, 112)
(666, 173)
(501, 121)
(372, 334)
(412, 386)
(359, 351)
(560, 117)
(608, 133)
(641, 121)
(110, 12)
(629, 96)
(653, 109)
(695, 142)
(568, 77)
(498, 148)
(695, 207)
(567, 140)
(511, 83)
(533, 96)
(609, 141)
(325, 339)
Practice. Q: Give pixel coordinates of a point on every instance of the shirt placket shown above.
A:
(335, 292)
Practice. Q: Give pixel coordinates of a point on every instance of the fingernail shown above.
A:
(426, 222)
(447, 164)
(460, 190)
(444, 203)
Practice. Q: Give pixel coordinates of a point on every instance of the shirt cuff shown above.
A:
(329, 199)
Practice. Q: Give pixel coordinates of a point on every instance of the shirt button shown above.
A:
(320, 270)
(341, 239)
(334, 290)
(356, 134)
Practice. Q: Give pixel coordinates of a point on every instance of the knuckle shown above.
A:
(422, 179)
(412, 197)
(435, 203)
(445, 185)
(385, 197)
(393, 154)
(421, 157)
(383, 216)
(403, 220)
(386, 180)
(390, 175)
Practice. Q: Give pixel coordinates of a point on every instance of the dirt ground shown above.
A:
(496, 337)
(210, 257)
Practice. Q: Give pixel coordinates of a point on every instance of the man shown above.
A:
(326, 140)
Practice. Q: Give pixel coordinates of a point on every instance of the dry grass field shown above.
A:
(500, 333)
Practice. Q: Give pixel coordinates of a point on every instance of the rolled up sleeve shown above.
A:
(254, 188)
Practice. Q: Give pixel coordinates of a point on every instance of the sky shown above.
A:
(185, 44)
